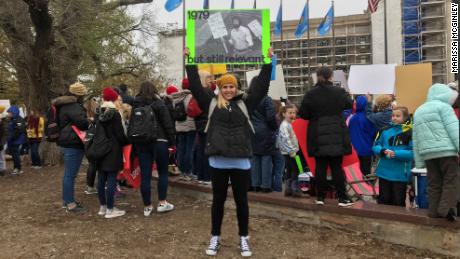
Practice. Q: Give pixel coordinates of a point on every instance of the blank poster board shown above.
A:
(373, 79)
(412, 84)
(277, 87)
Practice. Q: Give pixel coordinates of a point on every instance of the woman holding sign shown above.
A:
(229, 144)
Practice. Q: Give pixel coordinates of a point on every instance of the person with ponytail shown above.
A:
(228, 144)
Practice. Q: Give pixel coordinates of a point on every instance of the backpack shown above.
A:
(240, 104)
(193, 109)
(178, 112)
(51, 125)
(97, 145)
(19, 127)
(143, 125)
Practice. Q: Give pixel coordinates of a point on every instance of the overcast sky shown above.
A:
(291, 8)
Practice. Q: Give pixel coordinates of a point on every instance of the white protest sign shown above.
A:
(256, 28)
(373, 79)
(339, 79)
(277, 87)
(217, 25)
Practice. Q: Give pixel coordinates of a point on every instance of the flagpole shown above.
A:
(308, 39)
(183, 37)
(385, 31)
(333, 36)
(282, 43)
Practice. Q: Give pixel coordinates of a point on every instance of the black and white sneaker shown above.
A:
(214, 245)
(319, 201)
(345, 202)
(244, 246)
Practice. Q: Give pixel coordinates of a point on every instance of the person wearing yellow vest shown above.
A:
(35, 130)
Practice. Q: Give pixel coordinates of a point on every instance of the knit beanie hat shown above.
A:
(2, 108)
(226, 80)
(78, 89)
(109, 95)
(171, 89)
(185, 83)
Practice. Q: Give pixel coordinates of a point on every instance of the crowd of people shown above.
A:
(218, 135)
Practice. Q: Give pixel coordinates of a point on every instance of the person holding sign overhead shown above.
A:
(240, 38)
(228, 144)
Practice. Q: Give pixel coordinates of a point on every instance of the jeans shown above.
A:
(91, 174)
(240, 185)
(201, 161)
(2, 160)
(72, 163)
(34, 155)
(146, 154)
(185, 141)
(14, 152)
(262, 170)
(278, 169)
(111, 179)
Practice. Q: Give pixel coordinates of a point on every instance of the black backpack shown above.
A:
(51, 125)
(19, 127)
(179, 112)
(143, 125)
(97, 144)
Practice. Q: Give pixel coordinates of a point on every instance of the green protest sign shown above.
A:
(228, 36)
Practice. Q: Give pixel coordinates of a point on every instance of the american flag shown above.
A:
(372, 7)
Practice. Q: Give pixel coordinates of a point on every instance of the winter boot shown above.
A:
(296, 192)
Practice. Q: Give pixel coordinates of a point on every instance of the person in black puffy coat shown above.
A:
(71, 118)
(228, 145)
(156, 150)
(328, 139)
(109, 166)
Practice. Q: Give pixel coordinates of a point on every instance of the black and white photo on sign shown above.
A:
(228, 34)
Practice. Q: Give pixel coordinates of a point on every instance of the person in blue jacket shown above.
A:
(394, 146)
(16, 136)
(362, 134)
(381, 117)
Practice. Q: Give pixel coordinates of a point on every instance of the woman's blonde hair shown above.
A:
(91, 106)
(203, 75)
(125, 111)
(221, 102)
(383, 102)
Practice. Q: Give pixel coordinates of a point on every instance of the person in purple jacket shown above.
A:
(362, 134)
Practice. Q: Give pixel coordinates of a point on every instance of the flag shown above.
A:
(232, 6)
(255, 4)
(372, 5)
(206, 4)
(279, 20)
(171, 5)
(327, 22)
(303, 25)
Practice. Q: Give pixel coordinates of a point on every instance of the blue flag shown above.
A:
(274, 62)
(303, 25)
(232, 6)
(171, 5)
(206, 4)
(255, 4)
(279, 21)
(327, 22)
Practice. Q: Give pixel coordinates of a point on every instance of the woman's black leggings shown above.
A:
(240, 184)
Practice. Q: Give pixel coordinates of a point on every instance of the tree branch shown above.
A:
(120, 3)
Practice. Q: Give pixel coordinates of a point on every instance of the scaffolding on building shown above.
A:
(425, 35)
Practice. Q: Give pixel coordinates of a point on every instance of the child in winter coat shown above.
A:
(289, 146)
(35, 130)
(436, 146)
(16, 136)
(362, 134)
(394, 146)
